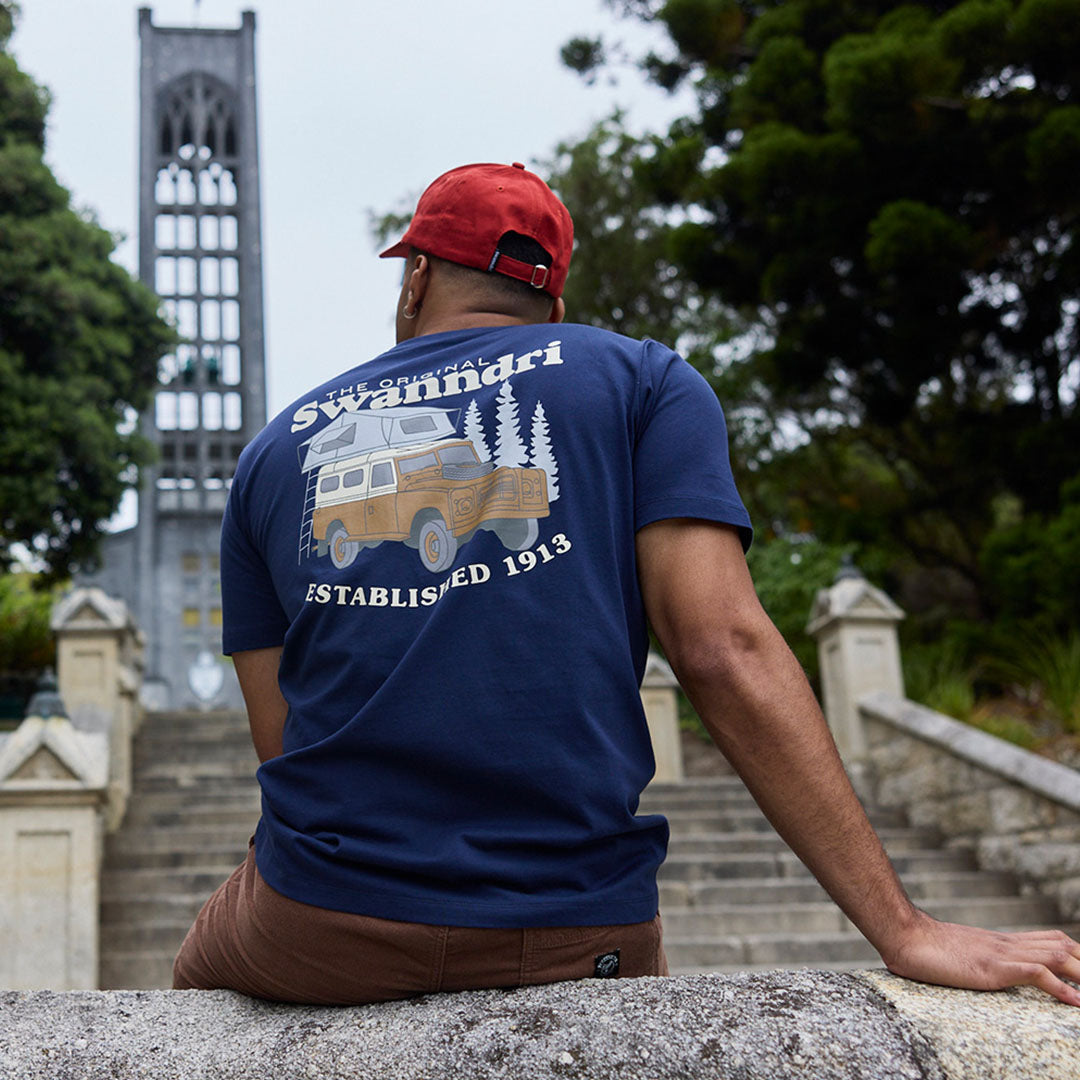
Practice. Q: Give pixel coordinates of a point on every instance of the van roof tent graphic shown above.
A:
(355, 433)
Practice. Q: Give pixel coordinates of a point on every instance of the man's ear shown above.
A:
(418, 278)
(558, 311)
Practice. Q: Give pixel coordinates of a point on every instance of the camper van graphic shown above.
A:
(405, 474)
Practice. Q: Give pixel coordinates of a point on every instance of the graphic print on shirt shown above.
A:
(405, 474)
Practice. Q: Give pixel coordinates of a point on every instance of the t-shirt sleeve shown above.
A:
(252, 615)
(681, 463)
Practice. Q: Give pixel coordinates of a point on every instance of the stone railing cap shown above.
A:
(1038, 774)
(50, 754)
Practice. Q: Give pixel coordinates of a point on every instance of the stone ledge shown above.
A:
(775, 1025)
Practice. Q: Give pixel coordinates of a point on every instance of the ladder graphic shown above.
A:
(307, 522)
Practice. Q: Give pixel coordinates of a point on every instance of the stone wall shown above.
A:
(1015, 810)
(811, 1025)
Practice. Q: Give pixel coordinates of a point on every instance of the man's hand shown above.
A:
(953, 955)
(753, 698)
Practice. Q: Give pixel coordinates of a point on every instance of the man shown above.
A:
(436, 570)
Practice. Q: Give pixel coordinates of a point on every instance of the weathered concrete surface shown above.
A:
(1019, 1033)
(772, 1026)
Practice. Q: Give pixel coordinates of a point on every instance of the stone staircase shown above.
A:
(735, 898)
(193, 805)
(732, 895)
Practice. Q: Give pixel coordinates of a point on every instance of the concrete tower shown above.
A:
(200, 251)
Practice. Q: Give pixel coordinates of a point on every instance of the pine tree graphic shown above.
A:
(509, 449)
(474, 431)
(543, 457)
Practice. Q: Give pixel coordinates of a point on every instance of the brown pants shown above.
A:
(252, 939)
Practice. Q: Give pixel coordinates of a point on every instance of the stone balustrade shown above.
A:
(1015, 810)
(793, 1025)
(53, 787)
(65, 778)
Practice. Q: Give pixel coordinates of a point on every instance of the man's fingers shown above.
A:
(1043, 959)
(1055, 949)
(1057, 937)
(1044, 979)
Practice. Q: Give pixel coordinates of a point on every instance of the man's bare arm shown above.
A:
(257, 670)
(755, 702)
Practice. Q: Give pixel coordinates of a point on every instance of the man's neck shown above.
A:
(441, 322)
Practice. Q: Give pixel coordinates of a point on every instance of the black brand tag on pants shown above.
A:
(606, 965)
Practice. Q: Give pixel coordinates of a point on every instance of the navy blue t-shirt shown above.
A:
(442, 539)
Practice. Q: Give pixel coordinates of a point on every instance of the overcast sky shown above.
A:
(362, 103)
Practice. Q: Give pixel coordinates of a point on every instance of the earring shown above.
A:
(409, 315)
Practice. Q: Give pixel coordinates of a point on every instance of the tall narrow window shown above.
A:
(233, 418)
(165, 232)
(209, 279)
(208, 232)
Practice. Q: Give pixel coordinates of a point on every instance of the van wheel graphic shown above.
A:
(342, 550)
(516, 534)
(438, 545)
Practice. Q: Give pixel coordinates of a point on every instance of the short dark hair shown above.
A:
(533, 302)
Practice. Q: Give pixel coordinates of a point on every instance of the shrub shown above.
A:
(1048, 666)
(939, 677)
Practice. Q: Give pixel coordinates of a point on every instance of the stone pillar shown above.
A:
(99, 653)
(854, 624)
(660, 696)
(53, 782)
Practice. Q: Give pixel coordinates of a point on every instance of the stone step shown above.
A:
(762, 952)
(670, 791)
(213, 772)
(236, 738)
(820, 965)
(786, 864)
(725, 920)
(749, 818)
(211, 724)
(191, 719)
(920, 887)
(163, 881)
(184, 846)
(720, 844)
(203, 815)
(778, 950)
(238, 755)
(154, 935)
(133, 909)
(223, 856)
(173, 798)
(151, 970)
(183, 838)
(824, 918)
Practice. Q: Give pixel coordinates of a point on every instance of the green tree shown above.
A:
(27, 647)
(885, 193)
(79, 346)
(622, 277)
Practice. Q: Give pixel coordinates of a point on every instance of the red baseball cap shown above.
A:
(463, 214)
